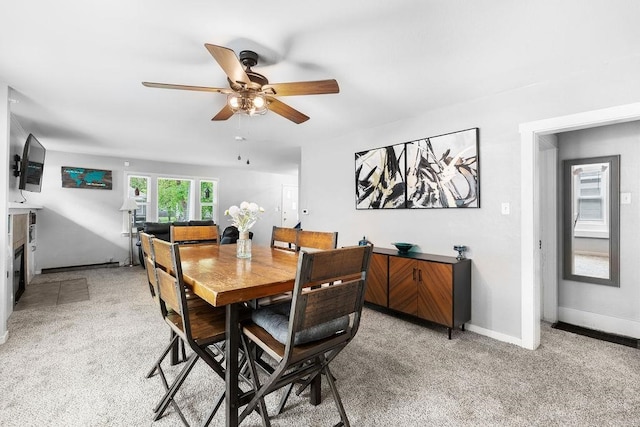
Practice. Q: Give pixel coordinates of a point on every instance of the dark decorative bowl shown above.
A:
(403, 248)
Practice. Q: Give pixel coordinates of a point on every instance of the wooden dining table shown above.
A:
(215, 274)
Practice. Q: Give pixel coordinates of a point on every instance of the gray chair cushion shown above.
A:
(275, 320)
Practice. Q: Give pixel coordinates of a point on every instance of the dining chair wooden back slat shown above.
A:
(145, 243)
(168, 292)
(317, 240)
(284, 238)
(194, 234)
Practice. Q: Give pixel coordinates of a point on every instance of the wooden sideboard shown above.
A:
(431, 287)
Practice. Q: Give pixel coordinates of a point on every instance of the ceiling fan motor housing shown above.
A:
(249, 59)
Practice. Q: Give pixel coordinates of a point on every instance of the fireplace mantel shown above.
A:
(18, 208)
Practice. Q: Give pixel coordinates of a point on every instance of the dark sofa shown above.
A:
(162, 231)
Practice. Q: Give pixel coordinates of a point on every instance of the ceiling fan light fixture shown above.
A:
(248, 103)
(259, 102)
(235, 101)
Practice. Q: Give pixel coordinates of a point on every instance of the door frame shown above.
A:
(531, 140)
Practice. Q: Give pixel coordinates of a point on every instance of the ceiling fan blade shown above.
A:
(229, 63)
(317, 87)
(187, 87)
(286, 111)
(224, 114)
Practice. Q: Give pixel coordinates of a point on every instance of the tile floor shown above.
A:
(53, 293)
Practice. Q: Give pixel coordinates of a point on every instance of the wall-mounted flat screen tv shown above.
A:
(32, 165)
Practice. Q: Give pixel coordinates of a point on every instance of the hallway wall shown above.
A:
(601, 307)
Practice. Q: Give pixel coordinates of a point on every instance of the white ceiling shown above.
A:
(76, 66)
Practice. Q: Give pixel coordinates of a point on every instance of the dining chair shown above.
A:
(284, 238)
(317, 240)
(201, 328)
(175, 343)
(321, 321)
(190, 234)
(304, 239)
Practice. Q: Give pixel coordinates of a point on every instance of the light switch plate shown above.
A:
(506, 208)
(625, 198)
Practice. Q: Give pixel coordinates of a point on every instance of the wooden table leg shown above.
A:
(231, 374)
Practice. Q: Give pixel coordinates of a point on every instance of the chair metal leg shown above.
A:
(168, 397)
(284, 398)
(336, 397)
(262, 408)
(156, 366)
(214, 410)
(184, 351)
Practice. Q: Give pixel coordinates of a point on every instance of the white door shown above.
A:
(289, 205)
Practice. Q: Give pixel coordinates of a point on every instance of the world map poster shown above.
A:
(74, 177)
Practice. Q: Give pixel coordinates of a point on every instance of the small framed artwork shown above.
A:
(75, 177)
(435, 172)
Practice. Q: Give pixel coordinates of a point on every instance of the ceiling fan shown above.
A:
(250, 92)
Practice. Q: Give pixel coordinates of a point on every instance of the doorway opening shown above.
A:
(533, 139)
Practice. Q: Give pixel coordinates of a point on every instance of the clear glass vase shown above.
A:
(243, 245)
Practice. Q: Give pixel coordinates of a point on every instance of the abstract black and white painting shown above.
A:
(442, 171)
(435, 172)
(380, 182)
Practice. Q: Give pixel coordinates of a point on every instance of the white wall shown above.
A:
(84, 226)
(328, 183)
(6, 285)
(586, 303)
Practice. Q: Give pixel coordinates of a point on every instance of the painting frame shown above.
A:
(438, 172)
(380, 181)
(86, 178)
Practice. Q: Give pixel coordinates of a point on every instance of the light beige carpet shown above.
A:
(83, 364)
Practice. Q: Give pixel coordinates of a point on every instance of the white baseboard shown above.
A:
(4, 337)
(599, 322)
(493, 334)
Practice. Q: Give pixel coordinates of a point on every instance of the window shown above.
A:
(208, 197)
(590, 199)
(171, 198)
(174, 199)
(138, 189)
(591, 183)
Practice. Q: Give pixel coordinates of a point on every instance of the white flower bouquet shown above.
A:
(245, 216)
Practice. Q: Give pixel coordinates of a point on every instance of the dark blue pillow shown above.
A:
(275, 320)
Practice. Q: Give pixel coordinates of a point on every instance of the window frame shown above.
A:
(195, 209)
(214, 198)
(593, 228)
(133, 196)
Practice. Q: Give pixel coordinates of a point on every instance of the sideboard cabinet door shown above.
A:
(378, 280)
(403, 289)
(435, 292)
